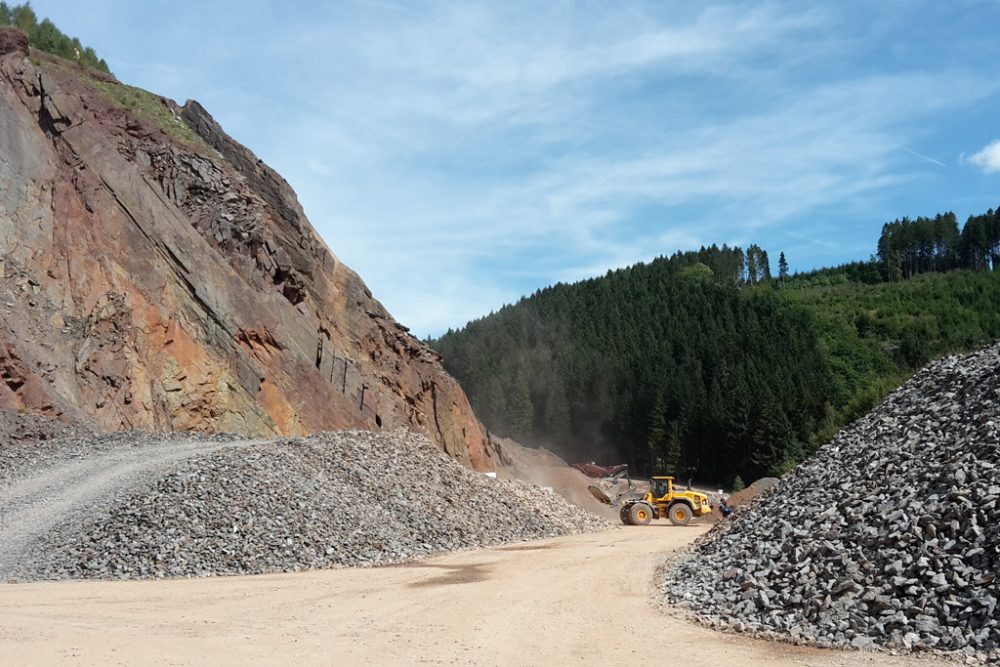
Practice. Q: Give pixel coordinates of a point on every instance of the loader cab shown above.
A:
(660, 487)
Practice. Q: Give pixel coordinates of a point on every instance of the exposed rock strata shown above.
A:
(889, 536)
(147, 281)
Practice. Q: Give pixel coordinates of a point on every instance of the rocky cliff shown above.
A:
(155, 274)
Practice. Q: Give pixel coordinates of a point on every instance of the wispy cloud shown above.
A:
(459, 155)
(922, 156)
(530, 194)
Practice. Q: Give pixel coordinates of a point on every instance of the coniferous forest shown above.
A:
(706, 365)
(45, 36)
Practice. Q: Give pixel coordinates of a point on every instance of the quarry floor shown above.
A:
(581, 600)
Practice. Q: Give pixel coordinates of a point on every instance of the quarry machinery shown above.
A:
(610, 472)
(662, 501)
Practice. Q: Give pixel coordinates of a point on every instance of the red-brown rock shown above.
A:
(161, 279)
(13, 40)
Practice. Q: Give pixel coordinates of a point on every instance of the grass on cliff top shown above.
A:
(150, 107)
(142, 103)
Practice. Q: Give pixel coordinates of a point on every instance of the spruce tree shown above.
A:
(519, 410)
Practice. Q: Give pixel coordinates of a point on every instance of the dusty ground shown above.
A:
(582, 600)
(542, 467)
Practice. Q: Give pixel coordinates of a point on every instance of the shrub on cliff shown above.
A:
(45, 36)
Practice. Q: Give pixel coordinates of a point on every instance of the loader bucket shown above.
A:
(599, 493)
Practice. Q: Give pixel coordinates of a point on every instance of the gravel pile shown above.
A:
(340, 498)
(889, 537)
(26, 439)
(22, 456)
(21, 426)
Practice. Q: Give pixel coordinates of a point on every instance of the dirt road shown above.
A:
(583, 600)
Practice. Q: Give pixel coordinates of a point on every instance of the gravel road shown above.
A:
(77, 489)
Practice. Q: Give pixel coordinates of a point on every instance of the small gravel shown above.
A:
(352, 498)
(57, 443)
(26, 438)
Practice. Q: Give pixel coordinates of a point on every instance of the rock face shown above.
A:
(154, 274)
(13, 41)
(889, 536)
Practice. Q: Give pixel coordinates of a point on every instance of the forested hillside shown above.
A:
(705, 365)
(45, 36)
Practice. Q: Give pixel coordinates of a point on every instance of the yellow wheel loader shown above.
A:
(662, 501)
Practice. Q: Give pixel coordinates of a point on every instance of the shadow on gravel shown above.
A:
(457, 574)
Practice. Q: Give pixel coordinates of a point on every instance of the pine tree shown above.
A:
(45, 36)
(24, 18)
(765, 265)
(519, 410)
(555, 420)
(772, 439)
(751, 265)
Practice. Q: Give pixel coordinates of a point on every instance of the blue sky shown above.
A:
(459, 154)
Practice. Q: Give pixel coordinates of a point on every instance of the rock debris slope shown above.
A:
(889, 536)
(231, 507)
(156, 275)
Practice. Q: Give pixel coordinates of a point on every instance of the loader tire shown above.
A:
(623, 515)
(640, 514)
(680, 514)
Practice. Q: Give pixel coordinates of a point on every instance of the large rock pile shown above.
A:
(888, 537)
(339, 498)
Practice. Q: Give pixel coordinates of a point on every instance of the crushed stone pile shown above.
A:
(26, 439)
(19, 426)
(344, 498)
(889, 537)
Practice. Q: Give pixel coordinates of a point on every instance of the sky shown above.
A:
(459, 155)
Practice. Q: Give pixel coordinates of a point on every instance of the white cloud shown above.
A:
(572, 217)
(988, 158)
(460, 154)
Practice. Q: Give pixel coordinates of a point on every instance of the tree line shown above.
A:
(732, 265)
(907, 248)
(664, 365)
(45, 36)
(910, 247)
(705, 365)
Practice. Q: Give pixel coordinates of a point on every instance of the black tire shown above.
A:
(640, 514)
(623, 515)
(680, 514)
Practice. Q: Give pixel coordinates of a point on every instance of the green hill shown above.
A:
(704, 365)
